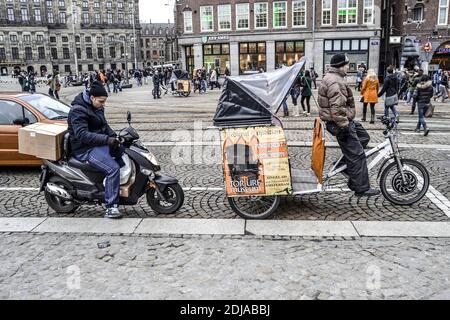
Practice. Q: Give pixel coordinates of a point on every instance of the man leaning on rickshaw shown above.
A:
(337, 110)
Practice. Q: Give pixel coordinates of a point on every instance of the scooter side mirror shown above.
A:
(129, 117)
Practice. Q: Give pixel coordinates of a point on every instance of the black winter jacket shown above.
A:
(424, 92)
(87, 126)
(390, 86)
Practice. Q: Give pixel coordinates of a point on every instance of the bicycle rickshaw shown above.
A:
(180, 82)
(256, 164)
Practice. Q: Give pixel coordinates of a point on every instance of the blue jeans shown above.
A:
(422, 108)
(386, 110)
(204, 84)
(100, 159)
(285, 108)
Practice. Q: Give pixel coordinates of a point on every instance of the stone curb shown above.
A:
(355, 229)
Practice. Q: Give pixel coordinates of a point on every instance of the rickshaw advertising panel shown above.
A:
(255, 161)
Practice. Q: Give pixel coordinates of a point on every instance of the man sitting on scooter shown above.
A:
(93, 140)
(337, 109)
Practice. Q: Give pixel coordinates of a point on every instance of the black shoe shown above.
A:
(369, 193)
(427, 131)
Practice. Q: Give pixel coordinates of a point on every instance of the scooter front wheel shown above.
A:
(174, 195)
(254, 207)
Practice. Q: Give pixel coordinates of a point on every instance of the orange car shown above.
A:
(18, 109)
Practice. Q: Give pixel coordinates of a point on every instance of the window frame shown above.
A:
(256, 18)
(347, 8)
(202, 16)
(219, 16)
(306, 14)
(273, 15)
(440, 7)
(242, 5)
(184, 21)
(372, 8)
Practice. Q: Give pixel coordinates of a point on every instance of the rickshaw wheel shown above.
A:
(254, 207)
(185, 94)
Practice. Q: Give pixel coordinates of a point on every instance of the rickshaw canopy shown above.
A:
(254, 99)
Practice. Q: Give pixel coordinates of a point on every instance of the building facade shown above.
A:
(417, 33)
(246, 35)
(45, 36)
(159, 44)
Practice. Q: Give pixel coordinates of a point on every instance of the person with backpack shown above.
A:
(390, 88)
(423, 95)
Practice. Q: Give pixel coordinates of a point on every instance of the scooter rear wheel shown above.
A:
(56, 203)
(254, 207)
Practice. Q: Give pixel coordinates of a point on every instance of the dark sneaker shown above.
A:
(113, 213)
(369, 193)
(427, 131)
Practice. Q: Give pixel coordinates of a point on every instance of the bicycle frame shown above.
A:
(386, 150)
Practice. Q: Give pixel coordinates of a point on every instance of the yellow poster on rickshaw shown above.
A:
(255, 161)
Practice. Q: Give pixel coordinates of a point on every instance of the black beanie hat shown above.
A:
(339, 60)
(98, 90)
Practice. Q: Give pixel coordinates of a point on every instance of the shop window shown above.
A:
(216, 56)
(288, 52)
(252, 57)
(355, 49)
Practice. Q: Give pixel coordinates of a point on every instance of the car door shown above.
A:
(9, 141)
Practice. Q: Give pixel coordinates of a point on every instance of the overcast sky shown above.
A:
(156, 10)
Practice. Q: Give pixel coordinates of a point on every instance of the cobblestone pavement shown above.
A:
(161, 121)
(62, 266)
(213, 204)
(73, 266)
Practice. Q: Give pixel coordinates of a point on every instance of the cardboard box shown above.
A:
(42, 140)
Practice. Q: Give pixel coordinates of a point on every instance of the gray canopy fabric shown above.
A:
(255, 98)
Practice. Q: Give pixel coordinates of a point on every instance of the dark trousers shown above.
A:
(307, 98)
(156, 91)
(101, 159)
(372, 109)
(53, 94)
(352, 144)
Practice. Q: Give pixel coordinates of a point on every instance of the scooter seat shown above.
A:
(82, 165)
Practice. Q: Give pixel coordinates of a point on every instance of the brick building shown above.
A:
(158, 44)
(45, 35)
(245, 35)
(411, 24)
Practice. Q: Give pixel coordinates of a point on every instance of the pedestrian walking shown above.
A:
(423, 95)
(443, 87)
(417, 80)
(306, 93)
(156, 84)
(314, 77)
(369, 92)
(390, 88)
(295, 93)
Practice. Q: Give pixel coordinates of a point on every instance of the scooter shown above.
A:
(69, 183)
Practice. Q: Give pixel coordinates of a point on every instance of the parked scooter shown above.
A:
(69, 183)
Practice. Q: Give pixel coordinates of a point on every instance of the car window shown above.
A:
(10, 111)
(52, 109)
(30, 116)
